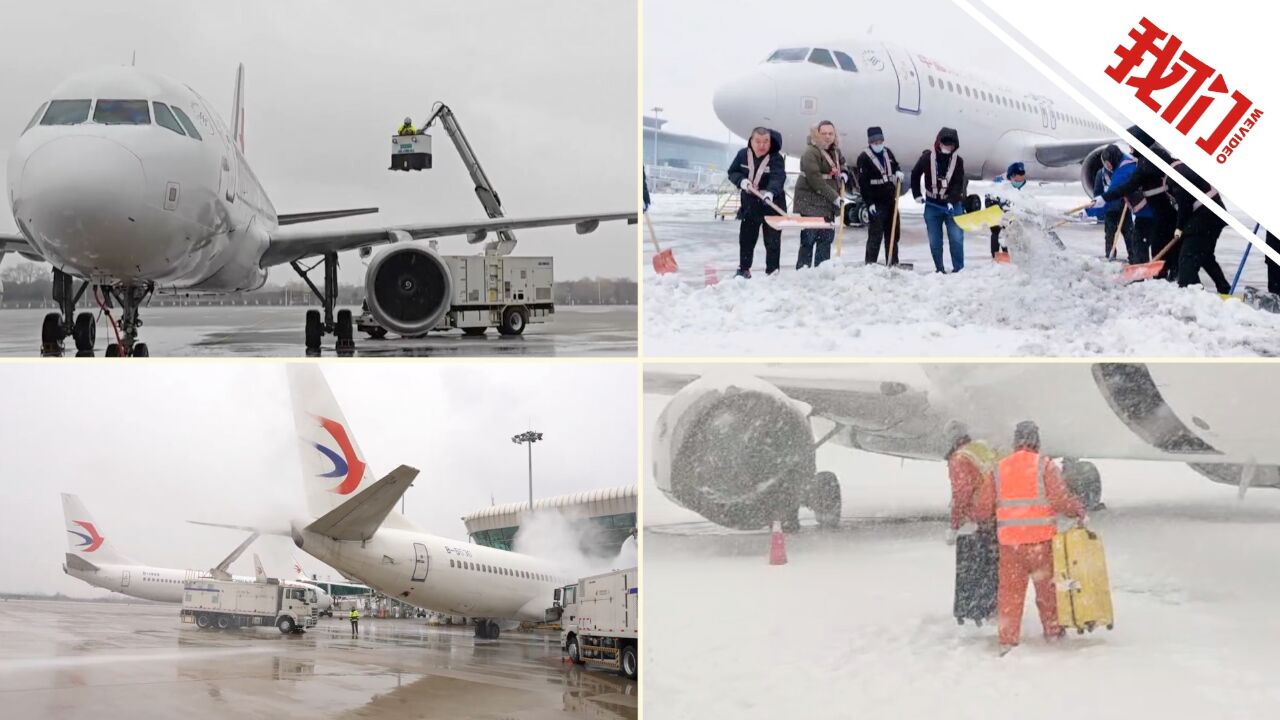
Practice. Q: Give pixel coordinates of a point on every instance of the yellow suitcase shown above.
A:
(1080, 575)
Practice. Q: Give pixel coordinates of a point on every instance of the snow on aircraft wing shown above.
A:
(287, 245)
(1059, 153)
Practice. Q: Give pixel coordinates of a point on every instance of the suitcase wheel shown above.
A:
(1110, 626)
(1079, 631)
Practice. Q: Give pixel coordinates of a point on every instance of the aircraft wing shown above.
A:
(18, 244)
(1060, 153)
(222, 571)
(289, 244)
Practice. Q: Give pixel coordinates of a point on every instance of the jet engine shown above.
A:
(408, 289)
(1089, 168)
(741, 453)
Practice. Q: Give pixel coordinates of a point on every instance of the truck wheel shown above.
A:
(285, 625)
(630, 664)
(203, 621)
(224, 622)
(574, 653)
(474, 332)
(513, 321)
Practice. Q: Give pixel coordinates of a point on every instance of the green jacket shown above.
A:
(816, 190)
(355, 614)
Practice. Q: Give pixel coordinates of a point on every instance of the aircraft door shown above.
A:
(124, 578)
(908, 79)
(420, 563)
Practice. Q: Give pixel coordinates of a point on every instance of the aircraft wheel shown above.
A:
(85, 332)
(314, 332)
(630, 663)
(823, 498)
(51, 335)
(494, 630)
(344, 331)
(141, 350)
(113, 350)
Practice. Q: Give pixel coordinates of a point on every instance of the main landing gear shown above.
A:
(486, 630)
(82, 327)
(316, 327)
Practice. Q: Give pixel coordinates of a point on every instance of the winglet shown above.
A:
(222, 572)
(360, 517)
(237, 109)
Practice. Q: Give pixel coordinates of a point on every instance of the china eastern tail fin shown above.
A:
(84, 536)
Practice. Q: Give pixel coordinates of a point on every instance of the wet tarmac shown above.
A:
(271, 331)
(102, 661)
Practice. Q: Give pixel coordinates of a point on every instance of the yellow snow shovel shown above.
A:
(979, 219)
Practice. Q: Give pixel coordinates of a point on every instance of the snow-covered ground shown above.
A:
(1068, 305)
(858, 624)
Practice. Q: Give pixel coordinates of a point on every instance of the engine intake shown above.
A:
(408, 289)
(740, 454)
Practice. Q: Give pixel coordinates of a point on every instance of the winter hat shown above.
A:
(1015, 169)
(874, 133)
(1027, 434)
(949, 136)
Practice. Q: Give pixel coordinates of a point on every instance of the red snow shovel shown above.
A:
(663, 262)
(1148, 270)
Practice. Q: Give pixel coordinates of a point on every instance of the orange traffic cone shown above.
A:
(709, 276)
(777, 545)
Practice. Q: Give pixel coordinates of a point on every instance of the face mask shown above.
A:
(877, 147)
(947, 150)
(1018, 184)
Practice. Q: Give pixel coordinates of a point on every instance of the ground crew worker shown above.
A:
(407, 127)
(760, 171)
(1029, 494)
(1120, 168)
(1200, 229)
(1016, 174)
(1113, 212)
(942, 169)
(1147, 188)
(819, 192)
(355, 621)
(970, 466)
(879, 175)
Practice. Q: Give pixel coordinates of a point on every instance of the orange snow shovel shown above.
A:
(1148, 270)
(663, 262)
(783, 221)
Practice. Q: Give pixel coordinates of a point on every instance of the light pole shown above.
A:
(656, 127)
(529, 437)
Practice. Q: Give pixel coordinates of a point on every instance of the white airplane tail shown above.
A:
(333, 467)
(259, 574)
(237, 109)
(84, 538)
(297, 568)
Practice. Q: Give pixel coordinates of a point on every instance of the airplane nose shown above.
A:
(82, 198)
(747, 101)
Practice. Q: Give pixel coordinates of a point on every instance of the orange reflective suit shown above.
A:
(1029, 495)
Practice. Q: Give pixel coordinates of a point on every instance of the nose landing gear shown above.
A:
(58, 326)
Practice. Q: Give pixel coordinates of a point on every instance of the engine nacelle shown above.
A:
(1089, 168)
(409, 289)
(739, 452)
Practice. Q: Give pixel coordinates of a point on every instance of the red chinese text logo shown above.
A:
(1190, 75)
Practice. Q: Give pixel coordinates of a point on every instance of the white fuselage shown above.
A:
(143, 581)
(136, 203)
(439, 574)
(911, 96)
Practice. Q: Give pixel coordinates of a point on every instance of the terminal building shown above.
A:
(683, 163)
(605, 518)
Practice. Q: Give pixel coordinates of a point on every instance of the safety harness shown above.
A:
(884, 169)
(937, 187)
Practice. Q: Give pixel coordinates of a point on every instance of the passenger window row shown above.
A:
(494, 569)
(994, 99)
(115, 112)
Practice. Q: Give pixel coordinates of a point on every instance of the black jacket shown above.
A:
(1145, 177)
(871, 184)
(773, 181)
(954, 192)
(1189, 218)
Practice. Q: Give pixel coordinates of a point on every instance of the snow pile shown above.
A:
(1063, 304)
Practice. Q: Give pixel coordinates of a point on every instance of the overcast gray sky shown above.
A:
(546, 92)
(147, 448)
(691, 48)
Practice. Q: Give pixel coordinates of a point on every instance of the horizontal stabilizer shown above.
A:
(274, 530)
(306, 217)
(75, 562)
(361, 516)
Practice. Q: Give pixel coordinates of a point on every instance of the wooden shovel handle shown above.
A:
(776, 209)
(893, 225)
(1160, 255)
(652, 235)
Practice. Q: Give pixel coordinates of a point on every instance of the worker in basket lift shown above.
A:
(407, 128)
(1029, 495)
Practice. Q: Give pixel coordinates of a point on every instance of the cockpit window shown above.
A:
(35, 118)
(821, 57)
(165, 118)
(66, 112)
(122, 112)
(186, 122)
(846, 62)
(789, 55)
